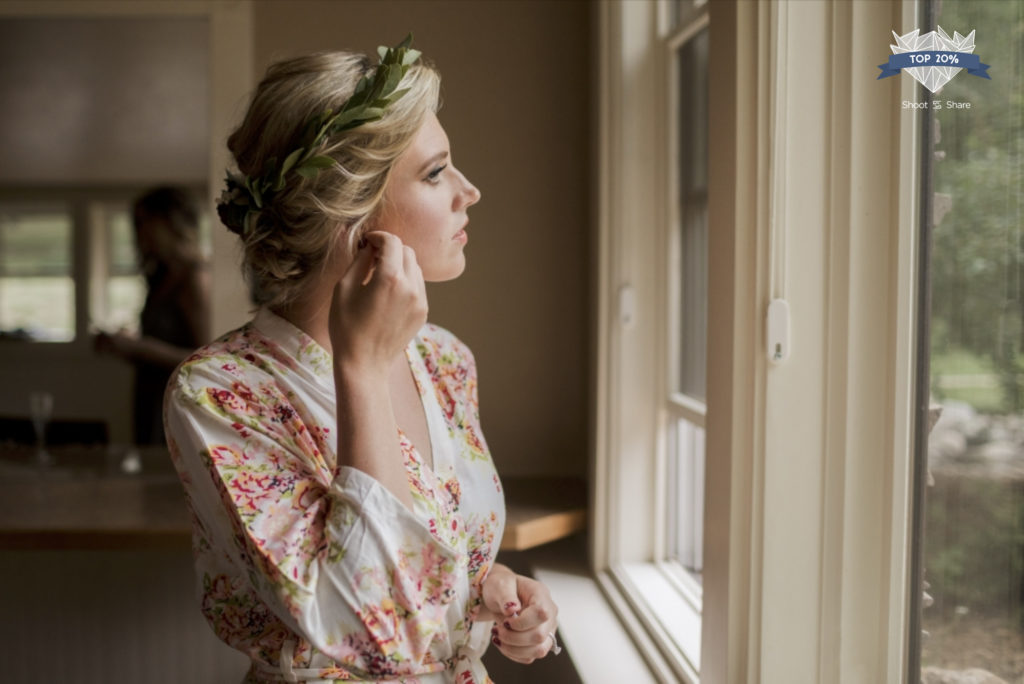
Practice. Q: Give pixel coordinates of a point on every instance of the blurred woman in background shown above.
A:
(175, 317)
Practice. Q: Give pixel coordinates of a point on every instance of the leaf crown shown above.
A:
(244, 196)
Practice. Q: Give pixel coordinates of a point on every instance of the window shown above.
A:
(809, 195)
(687, 273)
(657, 232)
(65, 250)
(972, 463)
(37, 291)
(122, 289)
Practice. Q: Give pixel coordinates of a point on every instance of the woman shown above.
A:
(346, 509)
(174, 318)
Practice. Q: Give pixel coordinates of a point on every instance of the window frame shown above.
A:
(835, 478)
(87, 208)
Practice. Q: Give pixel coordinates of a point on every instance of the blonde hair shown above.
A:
(301, 224)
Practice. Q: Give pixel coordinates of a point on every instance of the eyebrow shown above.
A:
(433, 160)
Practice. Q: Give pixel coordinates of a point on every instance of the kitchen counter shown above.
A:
(110, 498)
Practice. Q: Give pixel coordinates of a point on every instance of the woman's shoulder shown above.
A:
(442, 346)
(240, 357)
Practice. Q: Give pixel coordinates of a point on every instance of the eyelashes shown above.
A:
(433, 176)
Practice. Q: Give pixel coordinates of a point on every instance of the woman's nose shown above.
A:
(470, 195)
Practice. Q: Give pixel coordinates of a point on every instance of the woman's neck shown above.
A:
(310, 312)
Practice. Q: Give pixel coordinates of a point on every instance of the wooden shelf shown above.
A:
(541, 510)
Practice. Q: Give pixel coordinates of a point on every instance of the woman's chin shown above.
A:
(445, 272)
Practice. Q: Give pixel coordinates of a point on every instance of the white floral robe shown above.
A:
(317, 572)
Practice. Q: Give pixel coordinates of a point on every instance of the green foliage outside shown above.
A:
(978, 249)
(974, 517)
(975, 558)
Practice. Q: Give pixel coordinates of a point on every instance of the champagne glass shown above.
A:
(40, 406)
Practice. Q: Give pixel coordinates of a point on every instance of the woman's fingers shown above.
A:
(499, 594)
(390, 252)
(523, 647)
(531, 618)
(524, 637)
(361, 268)
(380, 304)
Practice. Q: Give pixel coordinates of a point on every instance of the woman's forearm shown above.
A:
(367, 432)
(156, 351)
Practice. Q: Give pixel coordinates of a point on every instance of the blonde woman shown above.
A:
(346, 510)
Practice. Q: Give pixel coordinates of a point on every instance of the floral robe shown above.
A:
(317, 572)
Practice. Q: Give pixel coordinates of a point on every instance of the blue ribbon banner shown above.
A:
(934, 58)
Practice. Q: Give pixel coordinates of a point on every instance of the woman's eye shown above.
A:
(432, 177)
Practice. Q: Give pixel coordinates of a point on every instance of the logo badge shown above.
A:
(933, 59)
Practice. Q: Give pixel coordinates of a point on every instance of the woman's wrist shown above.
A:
(358, 377)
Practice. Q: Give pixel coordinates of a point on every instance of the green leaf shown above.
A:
(320, 161)
(394, 77)
(307, 171)
(397, 94)
(290, 160)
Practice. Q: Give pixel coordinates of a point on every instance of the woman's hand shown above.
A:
(378, 305)
(120, 343)
(524, 614)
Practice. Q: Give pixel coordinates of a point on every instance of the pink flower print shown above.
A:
(452, 485)
(244, 393)
(226, 455)
(225, 400)
(381, 623)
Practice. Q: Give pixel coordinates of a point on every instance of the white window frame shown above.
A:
(812, 198)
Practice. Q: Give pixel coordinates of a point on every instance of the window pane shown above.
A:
(125, 288)
(686, 499)
(693, 225)
(973, 544)
(685, 440)
(37, 292)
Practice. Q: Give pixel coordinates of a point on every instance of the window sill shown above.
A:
(591, 632)
(669, 613)
(597, 625)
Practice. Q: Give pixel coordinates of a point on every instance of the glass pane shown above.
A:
(121, 244)
(686, 495)
(125, 288)
(692, 66)
(973, 544)
(37, 292)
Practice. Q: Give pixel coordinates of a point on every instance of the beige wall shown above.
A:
(516, 89)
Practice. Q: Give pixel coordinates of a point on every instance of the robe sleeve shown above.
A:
(343, 563)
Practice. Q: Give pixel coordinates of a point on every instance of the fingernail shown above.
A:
(496, 641)
(507, 625)
(511, 605)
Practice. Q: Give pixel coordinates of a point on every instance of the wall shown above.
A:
(516, 100)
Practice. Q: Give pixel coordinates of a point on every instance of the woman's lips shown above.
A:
(461, 237)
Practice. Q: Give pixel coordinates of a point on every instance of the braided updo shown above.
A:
(289, 238)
